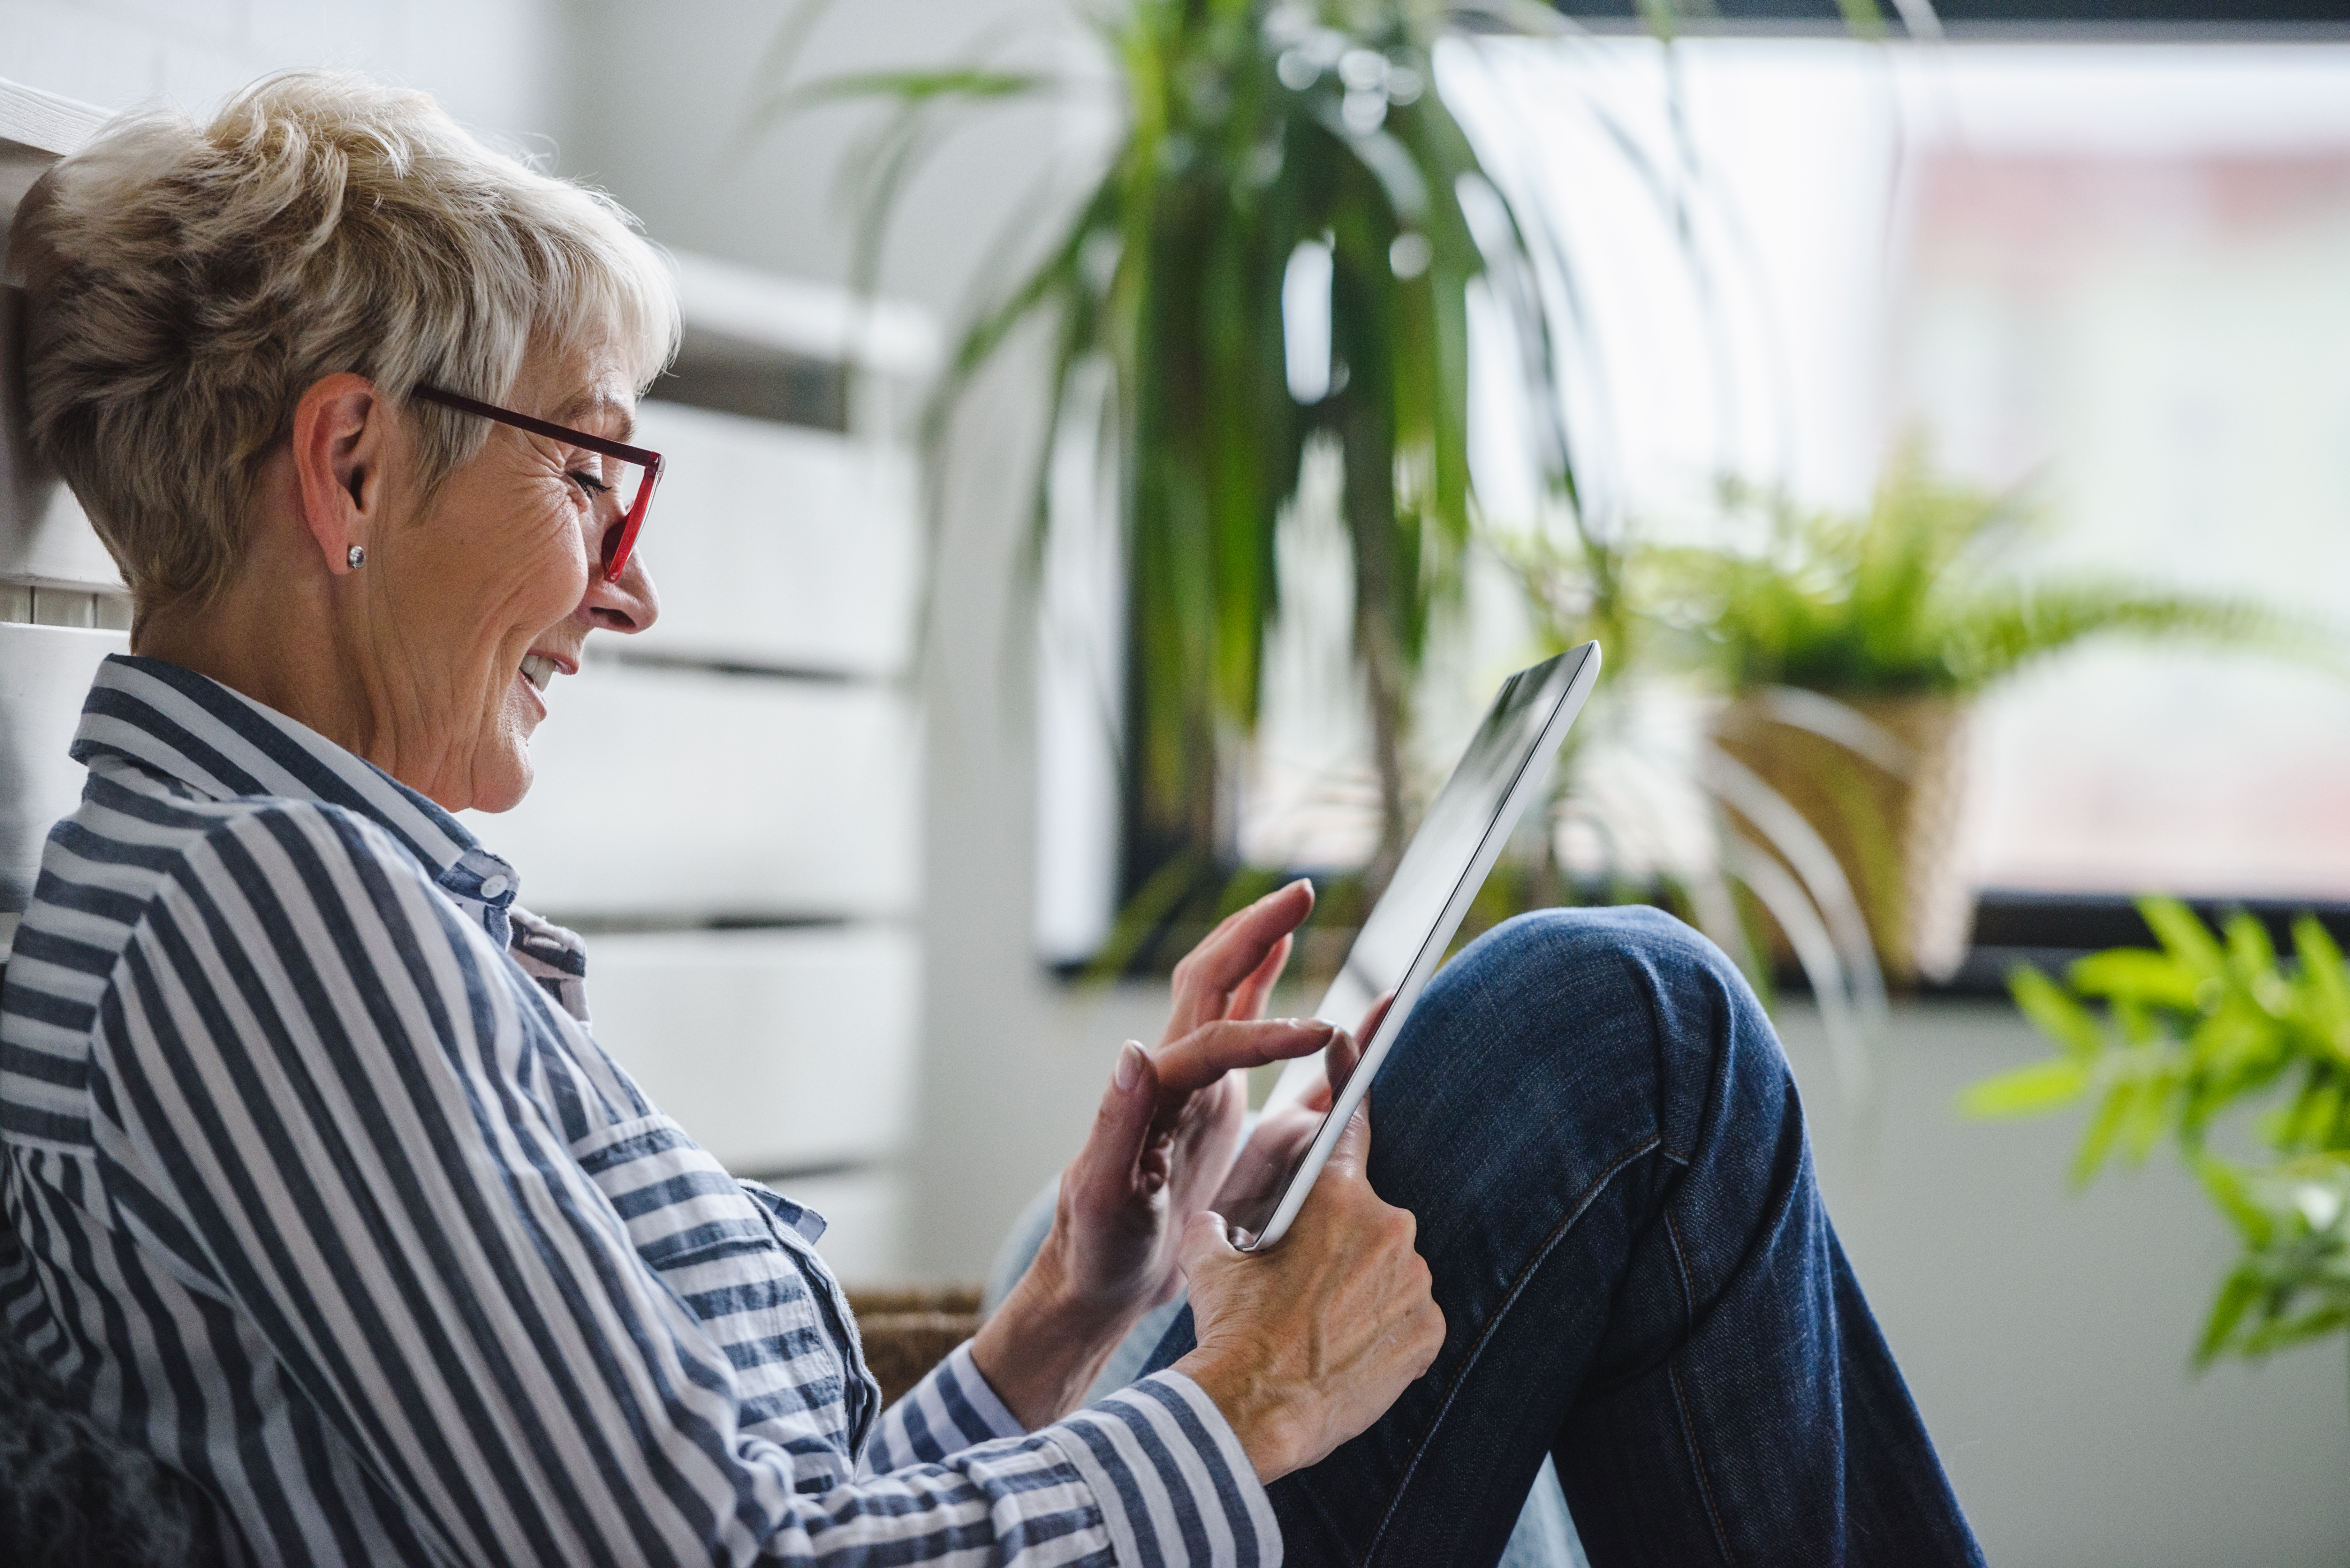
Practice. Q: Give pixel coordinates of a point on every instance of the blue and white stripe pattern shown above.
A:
(319, 1189)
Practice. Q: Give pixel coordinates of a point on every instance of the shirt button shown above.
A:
(492, 885)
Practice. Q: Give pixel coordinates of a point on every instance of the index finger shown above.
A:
(1223, 961)
(1209, 1052)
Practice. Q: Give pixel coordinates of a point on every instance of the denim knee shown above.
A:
(1627, 993)
(1640, 930)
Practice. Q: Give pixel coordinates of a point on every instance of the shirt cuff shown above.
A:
(948, 1411)
(1165, 1468)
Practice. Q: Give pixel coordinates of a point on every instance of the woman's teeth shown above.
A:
(538, 670)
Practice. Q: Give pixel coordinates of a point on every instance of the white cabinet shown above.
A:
(778, 546)
(687, 795)
(780, 1051)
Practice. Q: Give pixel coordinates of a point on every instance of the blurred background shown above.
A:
(1944, 418)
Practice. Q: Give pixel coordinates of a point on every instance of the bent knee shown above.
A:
(1640, 934)
(1628, 980)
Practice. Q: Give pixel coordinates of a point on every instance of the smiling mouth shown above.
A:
(538, 670)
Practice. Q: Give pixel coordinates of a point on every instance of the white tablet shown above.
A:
(1405, 937)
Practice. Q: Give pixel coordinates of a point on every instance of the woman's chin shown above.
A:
(502, 771)
(501, 784)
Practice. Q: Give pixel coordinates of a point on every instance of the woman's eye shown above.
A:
(589, 483)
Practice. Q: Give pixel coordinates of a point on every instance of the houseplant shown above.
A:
(2188, 1035)
(1851, 648)
(1264, 150)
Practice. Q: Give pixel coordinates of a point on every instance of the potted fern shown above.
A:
(1851, 649)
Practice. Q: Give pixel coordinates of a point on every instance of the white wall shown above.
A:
(674, 132)
(500, 66)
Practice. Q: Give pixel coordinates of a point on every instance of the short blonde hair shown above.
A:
(186, 284)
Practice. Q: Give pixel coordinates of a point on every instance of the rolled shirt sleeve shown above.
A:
(1163, 1465)
(338, 1114)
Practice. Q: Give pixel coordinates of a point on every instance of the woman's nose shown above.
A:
(629, 605)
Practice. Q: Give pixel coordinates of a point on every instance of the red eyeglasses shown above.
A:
(620, 538)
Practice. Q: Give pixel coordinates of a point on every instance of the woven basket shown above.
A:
(907, 1332)
(1895, 835)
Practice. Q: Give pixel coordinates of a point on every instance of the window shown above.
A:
(2118, 274)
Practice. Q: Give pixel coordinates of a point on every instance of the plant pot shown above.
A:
(1891, 819)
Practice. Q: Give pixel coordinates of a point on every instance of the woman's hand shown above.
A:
(1306, 1346)
(1161, 1146)
(1258, 1175)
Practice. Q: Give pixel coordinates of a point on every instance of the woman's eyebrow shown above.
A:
(596, 401)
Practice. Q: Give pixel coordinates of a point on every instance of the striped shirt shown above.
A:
(319, 1189)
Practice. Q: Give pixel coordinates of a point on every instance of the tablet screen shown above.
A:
(1442, 867)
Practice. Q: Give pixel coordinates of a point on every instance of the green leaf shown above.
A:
(2237, 1294)
(2284, 1333)
(2055, 1013)
(2028, 1091)
(2324, 984)
(1862, 18)
(2184, 936)
(2143, 1126)
(2104, 1125)
(2234, 1196)
(2249, 948)
(2138, 974)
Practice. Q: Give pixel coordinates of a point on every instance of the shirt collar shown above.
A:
(222, 744)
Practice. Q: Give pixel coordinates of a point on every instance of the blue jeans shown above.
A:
(1593, 1121)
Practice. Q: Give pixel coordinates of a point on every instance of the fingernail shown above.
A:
(1130, 1065)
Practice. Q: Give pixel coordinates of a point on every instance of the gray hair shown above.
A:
(186, 284)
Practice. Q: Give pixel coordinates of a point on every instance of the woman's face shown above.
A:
(505, 570)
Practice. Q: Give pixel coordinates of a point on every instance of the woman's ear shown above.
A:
(342, 437)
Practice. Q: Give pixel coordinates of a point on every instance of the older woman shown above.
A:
(320, 1191)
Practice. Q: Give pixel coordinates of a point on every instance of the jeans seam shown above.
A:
(1680, 1399)
(1576, 1211)
(1682, 1268)
(1697, 1463)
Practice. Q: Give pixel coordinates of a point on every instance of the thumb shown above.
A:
(1120, 1124)
(1351, 1155)
(1207, 1244)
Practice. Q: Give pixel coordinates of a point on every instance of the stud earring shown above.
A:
(356, 557)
